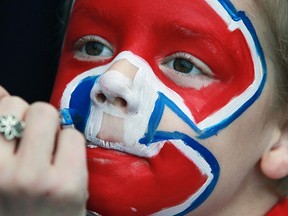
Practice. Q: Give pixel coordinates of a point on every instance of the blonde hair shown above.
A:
(277, 14)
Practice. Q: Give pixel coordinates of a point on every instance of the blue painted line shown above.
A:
(157, 114)
(80, 101)
(154, 121)
(237, 16)
(205, 154)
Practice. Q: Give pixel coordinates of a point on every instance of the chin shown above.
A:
(175, 179)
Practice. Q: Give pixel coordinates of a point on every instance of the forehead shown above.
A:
(152, 7)
(143, 13)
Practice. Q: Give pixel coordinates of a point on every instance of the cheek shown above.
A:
(233, 68)
(241, 145)
(171, 122)
(69, 68)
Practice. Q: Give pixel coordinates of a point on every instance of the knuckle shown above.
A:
(44, 109)
(48, 186)
(23, 184)
(7, 173)
(19, 101)
(3, 92)
(14, 101)
(73, 193)
(69, 188)
(32, 185)
(4, 178)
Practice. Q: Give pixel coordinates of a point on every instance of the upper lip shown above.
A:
(139, 150)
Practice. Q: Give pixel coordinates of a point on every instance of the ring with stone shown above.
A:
(10, 127)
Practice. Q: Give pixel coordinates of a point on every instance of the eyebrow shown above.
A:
(202, 27)
(177, 26)
(183, 30)
(93, 12)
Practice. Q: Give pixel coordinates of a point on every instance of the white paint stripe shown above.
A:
(240, 100)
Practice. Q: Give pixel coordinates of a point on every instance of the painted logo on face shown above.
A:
(91, 96)
(227, 77)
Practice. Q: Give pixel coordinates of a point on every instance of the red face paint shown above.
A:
(121, 184)
(153, 34)
(119, 181)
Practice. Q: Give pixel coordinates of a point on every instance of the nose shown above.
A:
(116, 88)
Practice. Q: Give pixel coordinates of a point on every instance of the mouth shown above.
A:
(177, 172)
(167, 176)
(136, 149)
(116, 152)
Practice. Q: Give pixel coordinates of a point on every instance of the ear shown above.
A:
(274, 163)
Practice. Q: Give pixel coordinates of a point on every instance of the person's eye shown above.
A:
(93, 48)
(187, 70)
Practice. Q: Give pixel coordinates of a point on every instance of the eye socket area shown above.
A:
(186, 70)
(93, 48)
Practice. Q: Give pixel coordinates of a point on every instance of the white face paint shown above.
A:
(140, 93)
(140, 99)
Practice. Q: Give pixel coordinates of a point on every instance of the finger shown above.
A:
(71, 152)
(38, 141)
(10, 105)
(3, 92)
(70, 162)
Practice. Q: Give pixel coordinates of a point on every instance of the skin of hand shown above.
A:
(40, 174)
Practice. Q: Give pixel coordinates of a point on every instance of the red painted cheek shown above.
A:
(233, 71)
(69, 68)
(119, 182)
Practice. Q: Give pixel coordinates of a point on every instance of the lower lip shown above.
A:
(116, 179)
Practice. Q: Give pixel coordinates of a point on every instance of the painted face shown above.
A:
(147, 87)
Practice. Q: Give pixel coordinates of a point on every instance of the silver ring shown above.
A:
(10, 127)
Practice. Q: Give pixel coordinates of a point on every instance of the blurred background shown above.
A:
(31, 35)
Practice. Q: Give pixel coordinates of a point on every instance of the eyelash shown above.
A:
(182, 68)
(199, 75)
(82, 42)
(205, 70)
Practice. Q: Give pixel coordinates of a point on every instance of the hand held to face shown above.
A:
(40, 174)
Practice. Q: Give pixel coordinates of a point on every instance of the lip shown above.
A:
(97, 153)
(149, 185)
(106, 158)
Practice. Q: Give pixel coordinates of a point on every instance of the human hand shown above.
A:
(44, 173)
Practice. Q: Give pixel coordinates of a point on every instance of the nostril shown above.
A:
(101, 98)
(120, 102)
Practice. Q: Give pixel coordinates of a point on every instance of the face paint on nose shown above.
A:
(110, 85)
(145, 95)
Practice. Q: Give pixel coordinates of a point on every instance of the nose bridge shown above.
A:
(124, 67)
(117, 80)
